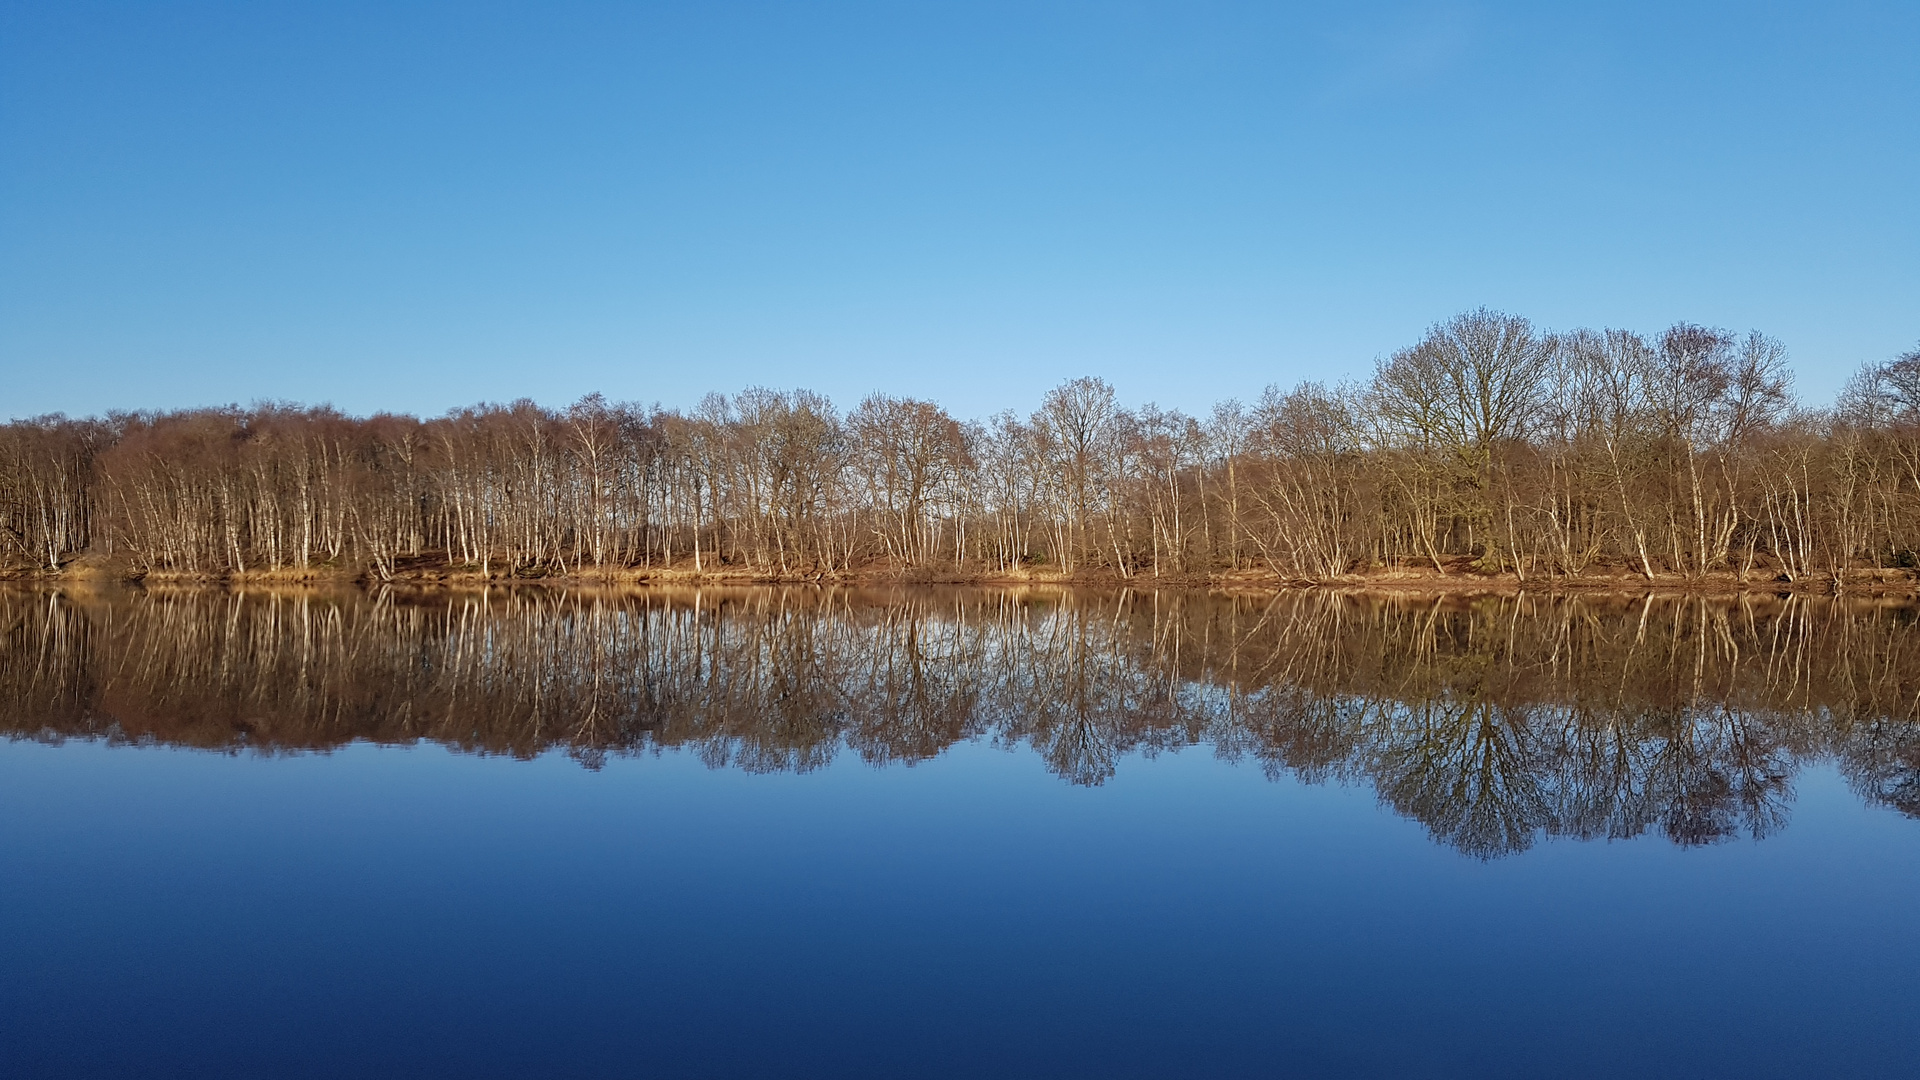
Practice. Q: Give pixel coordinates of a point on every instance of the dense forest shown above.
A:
(1495, 721)
(1487, 447)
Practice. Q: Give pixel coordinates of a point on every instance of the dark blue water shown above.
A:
(823, 833)
(384, 911)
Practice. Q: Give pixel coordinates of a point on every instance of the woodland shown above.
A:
(1487, 450)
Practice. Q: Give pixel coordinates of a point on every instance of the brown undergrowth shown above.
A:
(1463, 578)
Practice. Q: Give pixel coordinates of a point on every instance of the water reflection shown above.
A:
(1494, 722)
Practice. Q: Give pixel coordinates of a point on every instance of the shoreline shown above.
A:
(1891, 583)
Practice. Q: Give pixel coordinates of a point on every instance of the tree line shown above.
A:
(1494, 722)
(1486, 446)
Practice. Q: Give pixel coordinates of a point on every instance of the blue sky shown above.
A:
(412, 207)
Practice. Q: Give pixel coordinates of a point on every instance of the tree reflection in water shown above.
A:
(1493, 721)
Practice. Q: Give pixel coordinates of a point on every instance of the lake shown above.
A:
(956, 832)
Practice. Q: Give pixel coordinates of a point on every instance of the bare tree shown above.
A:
(1485, 445)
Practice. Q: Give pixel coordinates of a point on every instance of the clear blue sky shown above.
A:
(411, 207)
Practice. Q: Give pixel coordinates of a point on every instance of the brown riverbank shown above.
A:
(1462, 579)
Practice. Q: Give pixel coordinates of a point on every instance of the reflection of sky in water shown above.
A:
(1297, 835)
(394, 911)
(1494, 722)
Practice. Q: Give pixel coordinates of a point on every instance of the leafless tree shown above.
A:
(1486, 446)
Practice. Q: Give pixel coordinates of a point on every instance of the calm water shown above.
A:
(969, 833)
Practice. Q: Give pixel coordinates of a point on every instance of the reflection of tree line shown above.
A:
(1491, 721)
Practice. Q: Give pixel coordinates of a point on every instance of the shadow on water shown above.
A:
(1493, 721)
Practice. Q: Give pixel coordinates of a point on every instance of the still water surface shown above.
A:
(967, 833)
